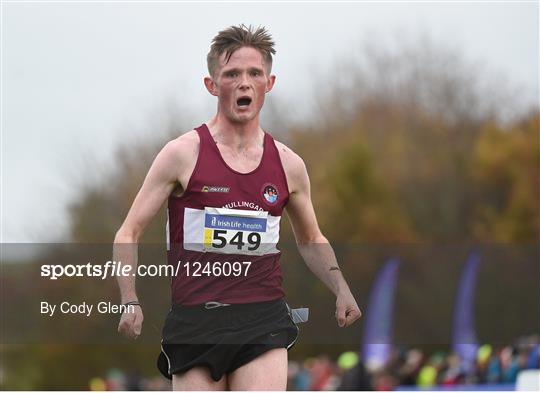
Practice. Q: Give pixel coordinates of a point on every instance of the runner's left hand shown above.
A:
(347, 311)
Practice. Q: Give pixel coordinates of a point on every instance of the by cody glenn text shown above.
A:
(84, 308)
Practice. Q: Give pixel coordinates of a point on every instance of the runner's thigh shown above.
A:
(198, 378)
(266, 372)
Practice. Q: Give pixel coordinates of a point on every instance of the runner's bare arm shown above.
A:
(167, 171)
(312, 244)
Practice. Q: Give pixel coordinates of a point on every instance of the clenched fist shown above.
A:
(131, 323)
(347, 310)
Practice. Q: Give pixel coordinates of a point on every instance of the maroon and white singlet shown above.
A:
(224, 229)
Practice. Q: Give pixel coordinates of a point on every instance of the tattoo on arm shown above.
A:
(334, 268)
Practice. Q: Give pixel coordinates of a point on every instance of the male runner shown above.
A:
(227, 183)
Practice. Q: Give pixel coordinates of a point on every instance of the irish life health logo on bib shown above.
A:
(231, 231)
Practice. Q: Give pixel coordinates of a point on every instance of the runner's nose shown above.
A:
(244, 82)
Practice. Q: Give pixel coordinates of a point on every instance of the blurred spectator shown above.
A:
(411, 367)
(509, 363)
(134, 381)
(534, 358)
(302, 381)
(384, 381)
(321, 372)
(494, 370)
(97, 384)
(353, 373)
(427, 377)
(115, 380)
(454, 373)
(482, 362)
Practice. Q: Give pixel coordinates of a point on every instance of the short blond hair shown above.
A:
(233, 38)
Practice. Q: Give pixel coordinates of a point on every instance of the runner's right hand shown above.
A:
(131, 323)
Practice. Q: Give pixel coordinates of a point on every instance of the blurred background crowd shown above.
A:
(407, 369)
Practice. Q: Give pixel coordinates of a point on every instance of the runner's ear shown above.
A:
(211, 86)
(271, 80)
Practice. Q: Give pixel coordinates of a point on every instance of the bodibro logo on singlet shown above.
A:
(270, 194)
(215, 189)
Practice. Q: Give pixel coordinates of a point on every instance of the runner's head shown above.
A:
(239, 63)
(233, 38)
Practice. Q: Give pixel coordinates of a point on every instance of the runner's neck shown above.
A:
(239, 137)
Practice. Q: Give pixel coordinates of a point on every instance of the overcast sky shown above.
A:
(77, 79)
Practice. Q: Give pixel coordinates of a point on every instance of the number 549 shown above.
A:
(220, 241)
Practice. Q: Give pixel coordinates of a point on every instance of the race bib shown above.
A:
(230, 231)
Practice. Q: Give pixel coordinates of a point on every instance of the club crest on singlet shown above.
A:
(270, 194)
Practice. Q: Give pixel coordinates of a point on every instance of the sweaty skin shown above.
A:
(239, 139)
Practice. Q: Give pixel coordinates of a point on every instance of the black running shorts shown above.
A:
(223, 338)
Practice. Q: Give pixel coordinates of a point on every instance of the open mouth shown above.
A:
(243, 101)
